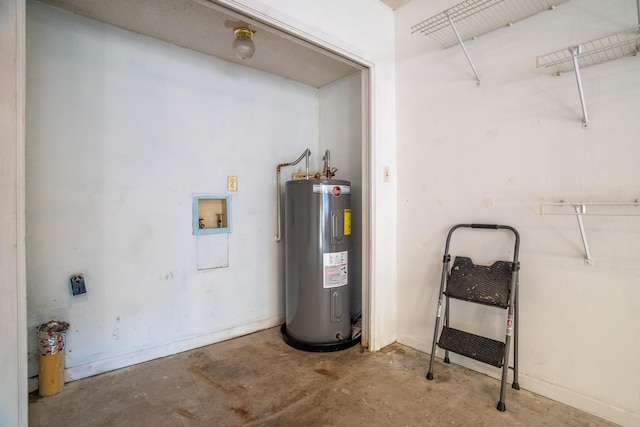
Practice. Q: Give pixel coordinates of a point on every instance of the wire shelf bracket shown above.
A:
(464, 49)
(607, 48)
(473, 18)
(598, 209)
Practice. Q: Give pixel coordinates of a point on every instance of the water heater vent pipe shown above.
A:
(304, 155)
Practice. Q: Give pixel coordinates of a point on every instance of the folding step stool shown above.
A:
(496, 286)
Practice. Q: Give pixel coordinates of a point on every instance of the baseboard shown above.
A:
(579, 401)
(584, 403)
(117, 362)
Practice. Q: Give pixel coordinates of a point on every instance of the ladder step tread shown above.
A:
(481, 284)
(476, 347)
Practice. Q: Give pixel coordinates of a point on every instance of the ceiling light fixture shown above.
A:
(243, 46)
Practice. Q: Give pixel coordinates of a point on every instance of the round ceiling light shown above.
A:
(243, 46)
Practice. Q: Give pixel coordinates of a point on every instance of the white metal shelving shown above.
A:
(603, 49)
(581, 209)
(473, 18)
(607, 48)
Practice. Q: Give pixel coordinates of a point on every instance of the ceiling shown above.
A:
(207, 27)
(394, 4)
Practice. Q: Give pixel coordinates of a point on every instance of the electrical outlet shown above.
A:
(77, 284)
(232, 183)
(386, 173)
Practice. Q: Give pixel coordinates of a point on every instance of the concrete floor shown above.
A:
(258, 380)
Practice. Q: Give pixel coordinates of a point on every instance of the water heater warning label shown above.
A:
(335, 271)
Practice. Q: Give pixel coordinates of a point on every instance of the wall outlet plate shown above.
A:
(77, 284)
(232, 183)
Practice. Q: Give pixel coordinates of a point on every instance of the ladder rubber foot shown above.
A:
(430, 376)
(515, 386)
(446, 360)
(501, 406)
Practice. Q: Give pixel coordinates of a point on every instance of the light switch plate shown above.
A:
(232, 183)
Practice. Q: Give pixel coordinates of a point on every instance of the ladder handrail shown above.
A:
(489, 227)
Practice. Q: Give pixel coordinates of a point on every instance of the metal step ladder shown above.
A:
(495, 286)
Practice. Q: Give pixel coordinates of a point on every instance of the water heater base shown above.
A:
(315, 347)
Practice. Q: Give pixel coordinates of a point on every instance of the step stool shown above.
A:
(496, 286)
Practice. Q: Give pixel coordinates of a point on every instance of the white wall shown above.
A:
(492, 153)
(122, 130)
(341, 133)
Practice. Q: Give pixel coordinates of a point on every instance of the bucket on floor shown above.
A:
(51, 336)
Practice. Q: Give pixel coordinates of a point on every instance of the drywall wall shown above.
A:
(122, 130)
(492, 153)
(341, 133)
(13, 369)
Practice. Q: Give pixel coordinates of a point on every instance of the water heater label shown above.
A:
(335, 271)
(336, 190)
(347, 222)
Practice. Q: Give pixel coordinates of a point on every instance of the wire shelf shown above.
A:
(607, 48)
(581, 209)
(474, 18)
(591, 208)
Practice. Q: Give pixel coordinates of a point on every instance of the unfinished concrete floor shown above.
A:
(258, 380)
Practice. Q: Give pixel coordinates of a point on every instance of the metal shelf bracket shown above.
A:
(575, 51)
(582, 209)
(464, 49)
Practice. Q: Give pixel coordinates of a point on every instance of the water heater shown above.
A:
(317, 235)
